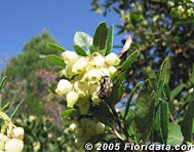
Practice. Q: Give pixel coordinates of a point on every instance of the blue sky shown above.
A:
(21, 19)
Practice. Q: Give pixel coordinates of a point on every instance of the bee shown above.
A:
(105, 87)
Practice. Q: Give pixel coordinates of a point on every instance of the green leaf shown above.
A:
(176, 91)
(79, 50)
(117, 91)
(161, 122)
(109, 41)
(16, 108)
(175, 136)
(192, 75)
(165, 70)
(130, 98)
(100, 38)
(55, 46)
(2, 82)
(83, 39)
(69, 113)
(5, 107)
(54, 58)
(102, 113)
(132, 58)
(144, 111)
(187, 123)
(184, 21)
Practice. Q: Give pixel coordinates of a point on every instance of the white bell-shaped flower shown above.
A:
(98, 60)
(79, 66)
(14, 145)
(2, 142)
(63, 87)
(71, 99)
(18, 133)
(100, 128)
(94, 76)
(80, 88)
(69, 57)
(112, 59)
(72, 126)
(93, 88)
(112, 70)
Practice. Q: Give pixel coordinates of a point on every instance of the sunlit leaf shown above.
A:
(55, 46)
(144, 111)
(100, 37)
(132, 58)
(54, 58)
(79, 50)
(109, 41)
(175, 136)
(69, 113)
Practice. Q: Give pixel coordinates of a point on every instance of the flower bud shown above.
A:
(112, 70)
(72, 127)
(63, 87)
(100, 128)
(79, 66)
(112, 59)
(69, 57)
(18, 133)
(71, 99)
(14, 145)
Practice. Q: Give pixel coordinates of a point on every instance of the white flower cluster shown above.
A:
(13, 141)
(83, 77)
(85, 129)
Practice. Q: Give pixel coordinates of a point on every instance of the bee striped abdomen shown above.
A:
(105, 87)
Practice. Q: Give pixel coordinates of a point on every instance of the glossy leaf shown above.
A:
(130, 98)
(165, 70)
(55, 46)
(161, 122)
(176, 91)
(102, 113)
(109, 41)
(2, 82)
(100, 37)
(175, 136)
(79, 50)
(132, 58)
(69, 113)
(144, 111)
(54, 58)
(187, 123)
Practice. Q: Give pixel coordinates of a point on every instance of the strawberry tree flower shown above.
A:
(112, 70)
(112, 59)
(69, 57)
(14, 145)
(63, 87)
(11, 136)
(71, 98)
(80, 88)
(79, 66)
